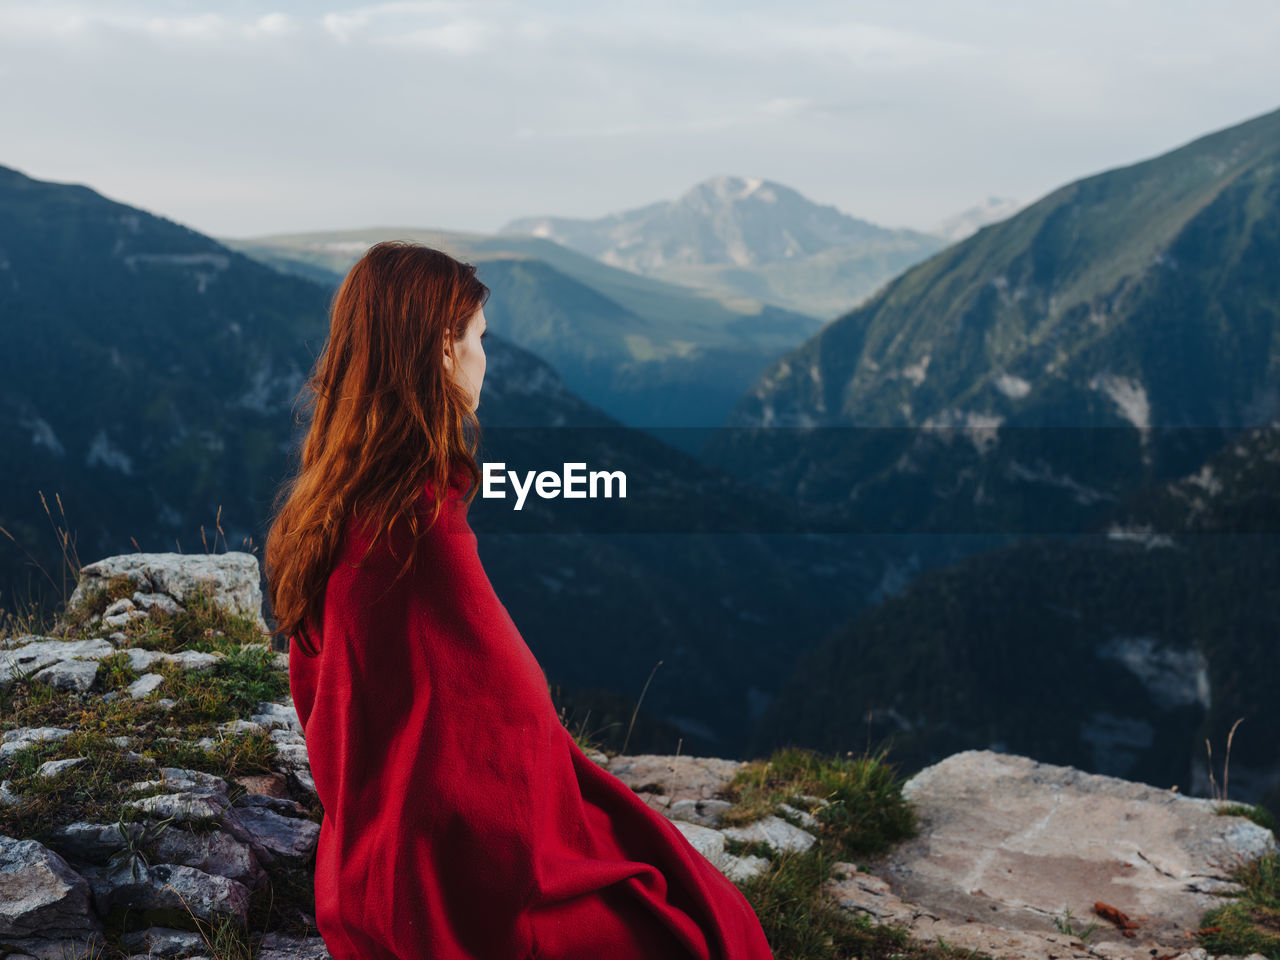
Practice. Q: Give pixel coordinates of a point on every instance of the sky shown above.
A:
(239, 119)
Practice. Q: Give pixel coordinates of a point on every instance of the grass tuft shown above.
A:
(864, 814)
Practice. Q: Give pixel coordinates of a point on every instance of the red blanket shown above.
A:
(461, 820)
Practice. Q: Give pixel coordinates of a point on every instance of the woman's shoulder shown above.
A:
(453, 507)
(400, 530)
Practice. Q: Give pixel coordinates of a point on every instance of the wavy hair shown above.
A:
(386, 420)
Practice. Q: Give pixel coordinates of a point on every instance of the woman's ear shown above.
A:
(448, 357)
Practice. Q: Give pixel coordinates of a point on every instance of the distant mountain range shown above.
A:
(663, 316)
(739, 237)
(650, 353)
(1131, 301)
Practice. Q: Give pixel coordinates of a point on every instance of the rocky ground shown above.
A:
(1014, 858)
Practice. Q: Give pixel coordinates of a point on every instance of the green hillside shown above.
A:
(1141, 297)
(146, 373)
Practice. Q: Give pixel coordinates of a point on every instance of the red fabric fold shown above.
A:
(461, 819)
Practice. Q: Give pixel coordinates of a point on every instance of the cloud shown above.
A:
(861, 44)
(785, 106)
(436, 24)
(462, 37)
(239, 116)
(103, 24)
(767, 111)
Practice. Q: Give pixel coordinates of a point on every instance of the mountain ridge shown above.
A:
(745, 237)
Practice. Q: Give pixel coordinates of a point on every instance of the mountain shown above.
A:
(745, 237)
(1137, 307)
(146, 374)
(649, 353)
(1120, 652)
(150, 376)
(968, 222)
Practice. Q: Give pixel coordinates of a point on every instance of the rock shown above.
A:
(233, 579)
(289, 746)
(36, 653)
(704, 812)
(182, 807)
(276, 836)
(123, 605)
(23, 737)
(663, 780)
(93, 842)
(277, 715)
(287, 736)
(710, 843)
(40, 948)
(139, 758)
(163, 941)
(157, 601)
(40, 893)
(141, 660)
(181, 780)
(192, 659)
(807, 820)
(291, 752)
(74, 675)
(280, 946)
(775, 832)
(1004, 837)
(860, 892)
(270, 784)
(302, 778)
(214, 851)
(741, 869)
(283, 805)
(7, 797)
(121, 619)
(167, 886)
(232, 727)
(51, 768)
(144, 685)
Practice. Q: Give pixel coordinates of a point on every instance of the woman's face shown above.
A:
(469, 350)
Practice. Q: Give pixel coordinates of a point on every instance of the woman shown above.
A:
(461, 820)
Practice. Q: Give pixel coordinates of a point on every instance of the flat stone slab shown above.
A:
(1011, 843)
(860, 892)
(662, 780)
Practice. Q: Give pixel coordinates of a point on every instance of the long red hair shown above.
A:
(386, 420)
